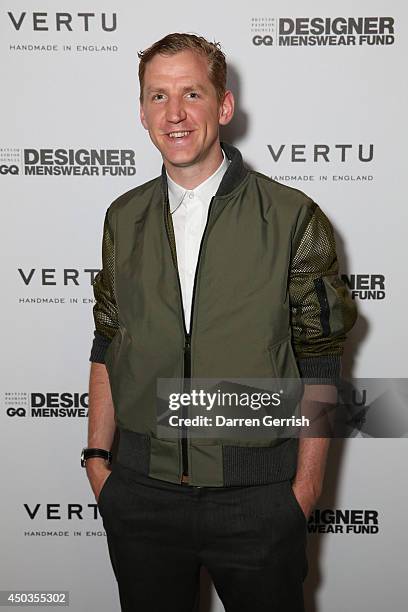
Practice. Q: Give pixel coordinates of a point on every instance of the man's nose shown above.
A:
(175, 111)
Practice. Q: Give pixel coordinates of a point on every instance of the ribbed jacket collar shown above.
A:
(233, 176)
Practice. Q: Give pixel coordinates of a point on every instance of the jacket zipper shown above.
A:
(186, 389)
(187, 336)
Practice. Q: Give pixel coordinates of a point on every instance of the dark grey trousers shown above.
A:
(251, 539)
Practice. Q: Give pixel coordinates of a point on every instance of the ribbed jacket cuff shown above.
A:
(325, 367)
(99, 347)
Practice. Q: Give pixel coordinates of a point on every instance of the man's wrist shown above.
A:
(96, 466)
(307, 496)
(92, 461)
(308, 488)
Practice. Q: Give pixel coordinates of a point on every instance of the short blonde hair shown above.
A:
(176, 42)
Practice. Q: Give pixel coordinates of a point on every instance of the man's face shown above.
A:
(180, 108)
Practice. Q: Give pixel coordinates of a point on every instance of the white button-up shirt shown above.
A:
(189, 211)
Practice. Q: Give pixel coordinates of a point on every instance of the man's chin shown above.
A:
(180, 161)
(182, 164)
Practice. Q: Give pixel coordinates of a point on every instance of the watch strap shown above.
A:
(88, 453)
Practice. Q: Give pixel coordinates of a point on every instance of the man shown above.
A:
(210, 270)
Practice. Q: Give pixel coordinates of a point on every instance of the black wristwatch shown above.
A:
(87, 453)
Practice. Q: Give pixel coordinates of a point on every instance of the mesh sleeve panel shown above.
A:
(322, 310)
(105, 309)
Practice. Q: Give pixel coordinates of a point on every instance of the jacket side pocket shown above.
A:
(283, 360)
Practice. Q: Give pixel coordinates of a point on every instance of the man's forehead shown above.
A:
(185, 84)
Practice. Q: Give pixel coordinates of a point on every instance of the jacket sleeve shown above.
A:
(322, 311)
(105, 310)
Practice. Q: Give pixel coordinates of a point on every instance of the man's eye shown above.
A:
(158, 97)
(193, 94)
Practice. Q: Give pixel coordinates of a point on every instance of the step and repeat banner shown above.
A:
(321, 98)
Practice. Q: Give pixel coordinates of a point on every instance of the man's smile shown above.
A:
(178, 137)
(178, 134)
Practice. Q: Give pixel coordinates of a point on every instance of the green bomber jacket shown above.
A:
(267, 301)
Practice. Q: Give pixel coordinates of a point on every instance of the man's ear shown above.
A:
(226, 108)
(142, 117)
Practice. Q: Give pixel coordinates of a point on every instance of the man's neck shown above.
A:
(190, 177)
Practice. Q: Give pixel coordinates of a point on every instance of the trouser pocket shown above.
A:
(297, 508)
(104, 493)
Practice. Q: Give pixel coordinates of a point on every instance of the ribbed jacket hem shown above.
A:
(241, 465)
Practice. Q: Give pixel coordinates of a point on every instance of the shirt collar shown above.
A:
(205, 191)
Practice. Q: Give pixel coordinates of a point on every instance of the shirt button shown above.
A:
(191, 196)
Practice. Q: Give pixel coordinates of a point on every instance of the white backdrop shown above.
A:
(70, 82)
